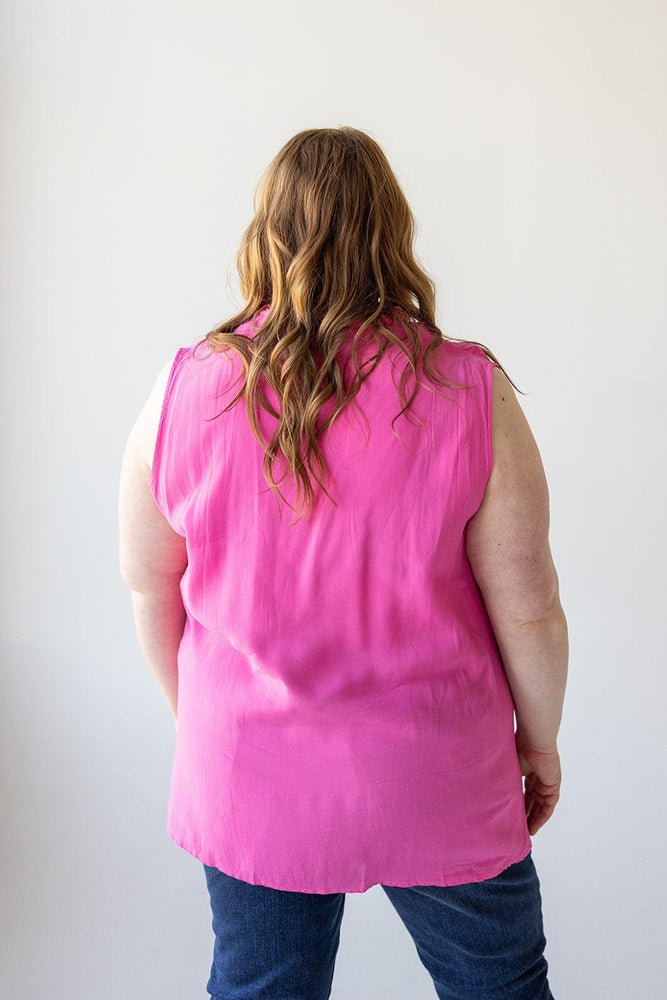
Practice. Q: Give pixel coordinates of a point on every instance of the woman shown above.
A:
(334, 522)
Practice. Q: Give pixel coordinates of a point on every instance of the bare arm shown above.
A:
(508, 549)
(152, 555)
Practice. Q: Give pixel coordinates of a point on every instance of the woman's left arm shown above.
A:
(153, 556)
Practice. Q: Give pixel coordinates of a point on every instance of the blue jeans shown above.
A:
(480, 941)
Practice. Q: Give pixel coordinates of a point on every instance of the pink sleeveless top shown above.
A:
(343, 715)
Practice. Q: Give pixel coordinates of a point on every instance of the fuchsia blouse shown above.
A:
(343, 714)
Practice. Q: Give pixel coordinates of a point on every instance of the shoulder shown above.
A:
(518, 473)
(469, 353)
(511, 431)
(465, 361)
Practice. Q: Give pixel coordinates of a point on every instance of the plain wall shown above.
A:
(530, 141)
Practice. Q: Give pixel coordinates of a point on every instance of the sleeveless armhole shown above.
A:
(489, 415)
(156, 466)
(485, 411)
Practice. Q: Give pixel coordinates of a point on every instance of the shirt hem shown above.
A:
(474, 874)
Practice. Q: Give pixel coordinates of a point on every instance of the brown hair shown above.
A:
(330, 244)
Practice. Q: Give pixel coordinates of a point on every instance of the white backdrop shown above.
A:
(530, 141)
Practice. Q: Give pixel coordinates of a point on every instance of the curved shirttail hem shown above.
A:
(474, 876)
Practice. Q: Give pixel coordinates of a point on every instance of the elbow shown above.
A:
(539, 607)
(535, 596)
(142, 580)
(136, 575)
(130, 577)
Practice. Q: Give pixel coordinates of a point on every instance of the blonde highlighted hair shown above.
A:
(330, 245)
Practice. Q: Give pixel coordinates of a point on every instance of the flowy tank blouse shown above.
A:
(343, 716)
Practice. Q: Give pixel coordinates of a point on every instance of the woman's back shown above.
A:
(343, 714)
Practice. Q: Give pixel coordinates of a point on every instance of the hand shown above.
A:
(542, 785)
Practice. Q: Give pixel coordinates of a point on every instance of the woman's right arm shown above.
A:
(508, 549)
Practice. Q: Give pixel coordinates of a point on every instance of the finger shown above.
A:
(539, 816)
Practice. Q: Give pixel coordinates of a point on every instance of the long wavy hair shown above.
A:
(330, 245)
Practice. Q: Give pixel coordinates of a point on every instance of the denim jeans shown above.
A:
(479, 941)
